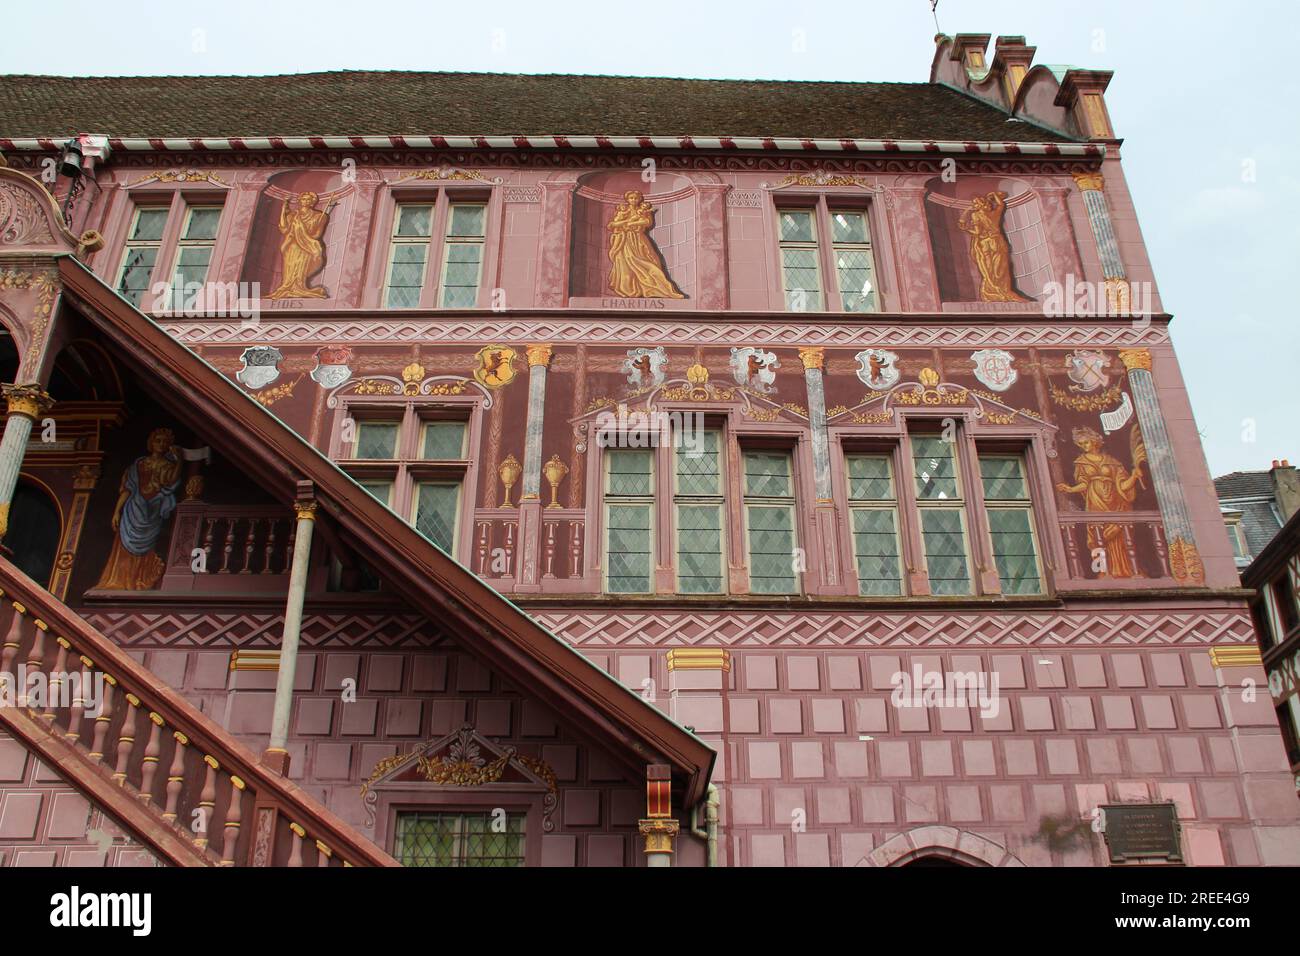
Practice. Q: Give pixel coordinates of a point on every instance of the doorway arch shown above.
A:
(933, 844)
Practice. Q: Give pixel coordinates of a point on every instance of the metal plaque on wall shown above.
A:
(1142, 831)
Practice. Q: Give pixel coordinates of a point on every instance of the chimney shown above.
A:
(1286, 488)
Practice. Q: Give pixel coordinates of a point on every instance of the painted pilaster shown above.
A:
(26, 404)
(814, 361)
(1103, 231)
(659, 828)
(277, 755)
(1184, 558)
(82, 486)
(530, 504)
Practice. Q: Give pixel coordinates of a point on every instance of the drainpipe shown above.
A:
(26, 404)
(709, 832)
(277, 755)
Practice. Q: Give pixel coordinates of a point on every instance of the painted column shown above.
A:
(276, 754)
(659, 828)
(1184, 558)
(814, 361)
(530, 505)
(26, 404)
(918, 286)
(1112, 266)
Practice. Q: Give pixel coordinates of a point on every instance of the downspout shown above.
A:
(709, 832)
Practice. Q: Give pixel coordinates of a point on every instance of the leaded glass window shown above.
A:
(459, 839)
(194, 254)
(376, 440)
(800, 271)
(699, 510)
(942, 513)
(437, 503)
(1011, 523)
(854, 269)
(463, 262)
(142, 246)
(443, 441)
(408, 255)
(769, 518)
(629, 520)
(874, 511)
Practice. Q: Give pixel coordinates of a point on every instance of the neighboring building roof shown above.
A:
(362, 103)
(1244, 484)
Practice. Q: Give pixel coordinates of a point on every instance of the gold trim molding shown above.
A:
(1237, 655)
(699, 659)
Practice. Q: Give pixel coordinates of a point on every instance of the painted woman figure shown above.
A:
(147, 499)
(635, 268)
(1106, 485)
(989, 248)
(301, 251)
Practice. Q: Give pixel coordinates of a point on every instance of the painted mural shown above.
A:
(145, 502)
(291, 239)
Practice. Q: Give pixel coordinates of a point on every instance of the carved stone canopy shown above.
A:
(460, 760)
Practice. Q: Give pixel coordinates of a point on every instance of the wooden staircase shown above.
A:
(178, 782)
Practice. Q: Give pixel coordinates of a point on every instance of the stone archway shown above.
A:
(944, 843)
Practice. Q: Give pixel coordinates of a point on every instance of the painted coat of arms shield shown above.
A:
(995, 368)
(877, 368)
(332, 368)
(645, 367)
(261, 366)
(754, 368)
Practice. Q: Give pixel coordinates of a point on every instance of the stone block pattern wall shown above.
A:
(1075, 729)
(45, 822)
(405, 697)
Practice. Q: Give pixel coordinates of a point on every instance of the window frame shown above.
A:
(649, 500)
(680, 499)
(1025, 504)
(823, 206)
(894, 505)
(176, 202)
(791, 502)
(395, 241)
(441, 194)
(960, 503)
(394, 797)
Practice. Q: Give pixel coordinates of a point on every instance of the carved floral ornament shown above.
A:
(462, 760)
(412, 383)
(180, 176)
(446, 173)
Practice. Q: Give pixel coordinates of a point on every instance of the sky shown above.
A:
(1204, 95)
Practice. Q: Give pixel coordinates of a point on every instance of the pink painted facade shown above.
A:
(1117, 658)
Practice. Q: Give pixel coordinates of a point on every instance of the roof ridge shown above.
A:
(477, 73)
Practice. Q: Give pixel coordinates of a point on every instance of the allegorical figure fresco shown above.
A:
(146, 501)
(301, 251)
(635, 267)
(989, 248)
(1106, 485)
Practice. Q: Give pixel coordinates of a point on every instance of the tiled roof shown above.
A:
(456, 104)
(1244, 484)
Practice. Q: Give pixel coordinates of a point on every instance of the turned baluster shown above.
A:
(207, 799)
(250, 539)
(176, 776)
(73, 732)
(295, 849)
(550, 550)
(13, 638)
(207, 541)
(126, 738)
(149, 765)
(1130, 548)
(1158, 533)
(57, 679)
(101, 722)
(482, 548)
(323, 854)
(233, 816)
(271, 524)
(575, 551)
(35, 659)
(229, 547)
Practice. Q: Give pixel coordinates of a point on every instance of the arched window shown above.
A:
(35, 530)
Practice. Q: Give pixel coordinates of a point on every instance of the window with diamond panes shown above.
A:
(874, 510)
(144, 240)
(854, 269)
(800, 270)
(942, 513)
(376, 439)
(437, 503)
(443, 441)
(1011, 523)
(463, 263)
(194, 254)
(458, 839)
(698, 504)
(769, 519)
(408, 257)
(629, 520)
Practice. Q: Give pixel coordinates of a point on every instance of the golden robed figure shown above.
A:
(301, 251)
(636, 270)
(989, 248)
(1106, 485)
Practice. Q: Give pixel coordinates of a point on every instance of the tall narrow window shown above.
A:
(800, 272)
(1011, 523)
(629, 521)
(409, 255)
(942, 512)
(463, 257)
(854, 269)
(459, 839)
(769, 519)
(874, 509)
(434, 512)
(142, 245)
(194, 254)
(699, 506)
